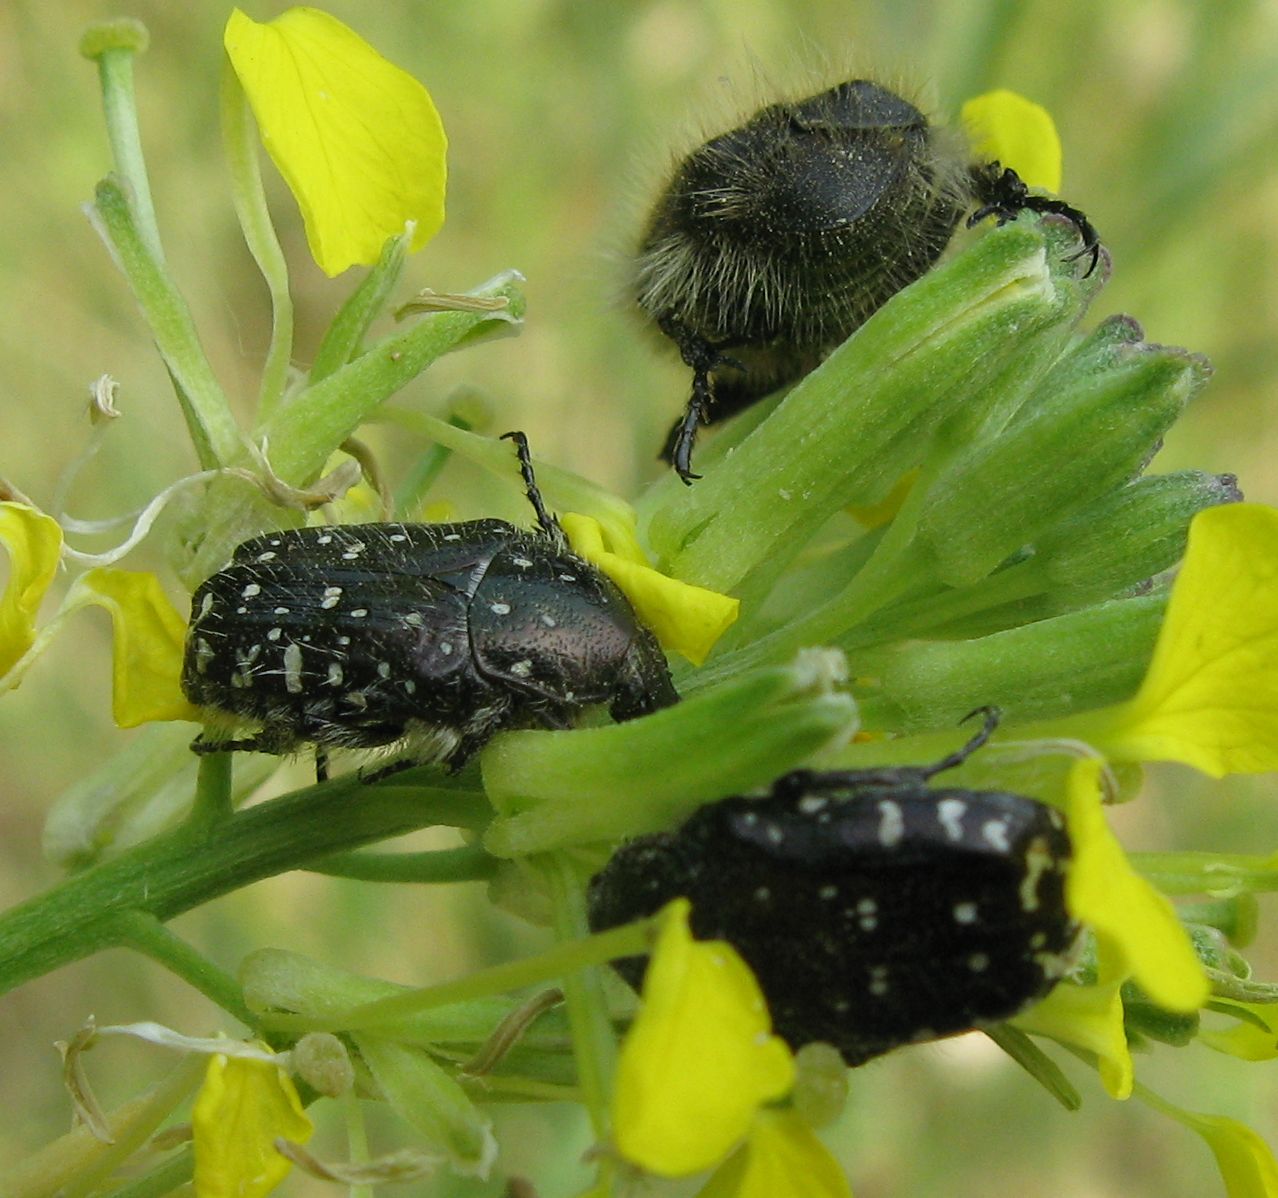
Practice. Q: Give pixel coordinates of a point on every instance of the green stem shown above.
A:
(303, 432)
(191, 865)
(593, 1042)
(249, 198)
(470, 863)
(145, 934)
(422, 474)
(162, 1180)
(77, 1164)
(346, 334)
(115, 75)
(1198, 873)
(626, 941)
(208, 416)
(213, 793)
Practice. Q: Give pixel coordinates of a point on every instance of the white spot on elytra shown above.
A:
(268, 556)
(383, 669)
(343, 640)
(452, 536)
(414, 619)
(274, 634)
(567, 578)
(891, 823)
(499, 609)
(358, 613)
(978, 962)
(548, 620)
(410, 687)
(811, 804)
(293, 669)
(277, 542)
(445, 647)
(241, 611)
(522, 562)
(964, 912)
(867, 906)
(281, 611)
(205, 604)
(335, 674)
(521, 668)
(326, 539)
(397, 537)
(203, 655)
(949, 814)
(1038, 860)
(828, 892)
(995, 833)
(773, 833)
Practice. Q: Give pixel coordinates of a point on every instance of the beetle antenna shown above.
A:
(992, 716)
(548, 524)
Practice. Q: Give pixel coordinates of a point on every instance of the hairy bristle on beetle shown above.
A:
(774, 241)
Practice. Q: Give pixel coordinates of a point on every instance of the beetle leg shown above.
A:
(545, 521)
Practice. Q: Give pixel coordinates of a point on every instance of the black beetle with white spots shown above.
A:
(434, 635)
(874, 910)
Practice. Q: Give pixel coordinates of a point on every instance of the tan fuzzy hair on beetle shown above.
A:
(771, 242)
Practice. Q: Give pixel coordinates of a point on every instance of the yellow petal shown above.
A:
(1245, 1039)
(34, 542)
(688, 619)
(1210, 697)
(1005, 127)
(147, 653)
(782, 1159)
(1137, 932)
(699, 1059)
(357, 140)
(240, 1110)
(1245, 1161)
(1090, 1018)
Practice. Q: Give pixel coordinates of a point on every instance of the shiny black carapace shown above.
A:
(362, 635)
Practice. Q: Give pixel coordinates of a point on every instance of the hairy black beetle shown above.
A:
(773, 242)
(874, 911)
(361, 635)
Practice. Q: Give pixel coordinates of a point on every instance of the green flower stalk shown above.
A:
(953, 511)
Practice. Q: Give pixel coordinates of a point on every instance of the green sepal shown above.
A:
(1074, 446)
(559, 789)
(428, 1098)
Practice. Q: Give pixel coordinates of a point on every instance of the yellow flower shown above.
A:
(1090, 1018)
(783, 1158)
(1007, 128)
(34, 542)
(243, 1106)
(149, 632)
(1254, 1037)
(1245, 1161)
(357, 140)
(686, 618)
(1210, 697)
(1137, 932)
(699, 1059)
(147, 649)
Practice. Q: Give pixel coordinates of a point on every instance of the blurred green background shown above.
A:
(562, 117)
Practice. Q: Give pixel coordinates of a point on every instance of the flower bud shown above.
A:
(1071, 448)
(1127, 536)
